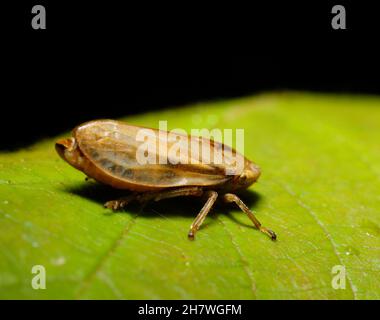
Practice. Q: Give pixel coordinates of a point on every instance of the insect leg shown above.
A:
(120, 203)
(153, 195)
(172, 193)
(229, 197)
(212, 196)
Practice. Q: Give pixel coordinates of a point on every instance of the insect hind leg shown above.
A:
(121, 203)
(145, 197)
(171, 193)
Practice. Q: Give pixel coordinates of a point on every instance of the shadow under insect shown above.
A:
(188, 206)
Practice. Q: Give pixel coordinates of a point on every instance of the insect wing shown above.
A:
(148, 157)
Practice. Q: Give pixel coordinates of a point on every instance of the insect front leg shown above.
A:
(211, 198)
(230, 197)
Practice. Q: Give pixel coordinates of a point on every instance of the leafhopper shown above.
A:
(112, 153)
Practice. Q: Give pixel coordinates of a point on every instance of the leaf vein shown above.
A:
(242, 258)
(98, 266)
(326, 232)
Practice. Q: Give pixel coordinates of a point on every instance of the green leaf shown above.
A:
(319, 191)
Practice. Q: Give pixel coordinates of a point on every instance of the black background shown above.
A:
(102, 60)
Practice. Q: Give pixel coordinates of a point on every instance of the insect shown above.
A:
(107, 151)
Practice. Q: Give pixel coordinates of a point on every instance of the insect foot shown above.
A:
(191, 235)
(269, 232)
(121, 203)
(115, 204)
